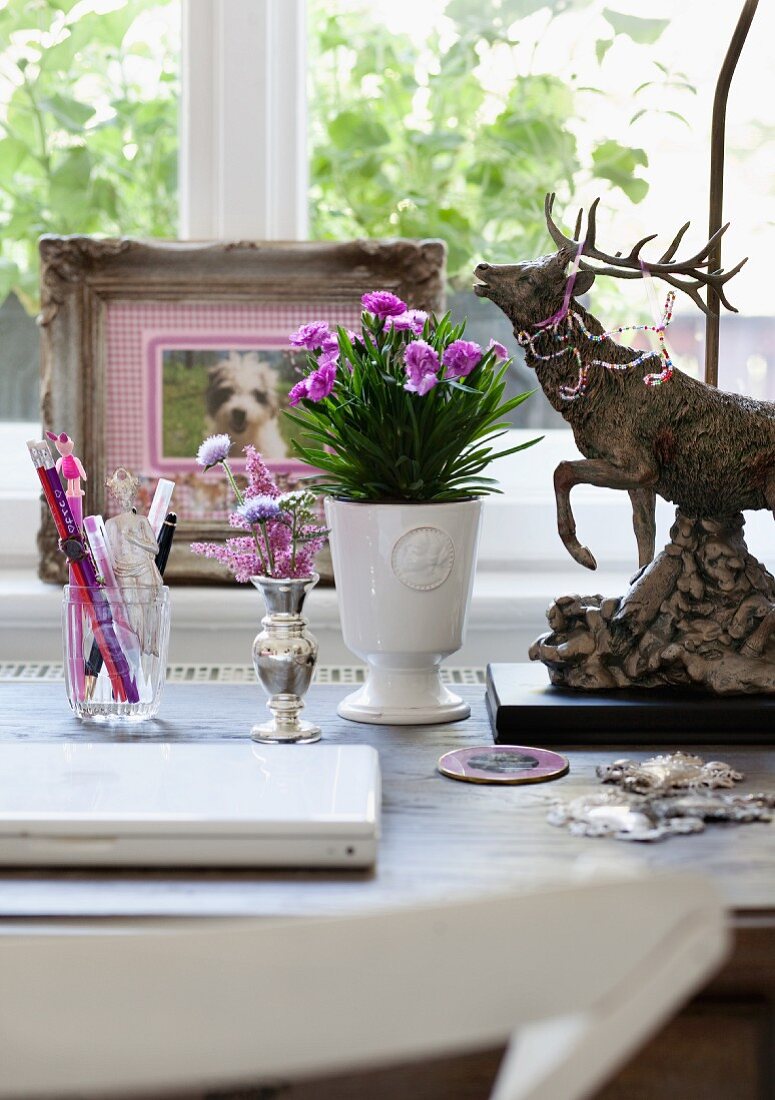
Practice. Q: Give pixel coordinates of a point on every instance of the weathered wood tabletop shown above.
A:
(440, 838)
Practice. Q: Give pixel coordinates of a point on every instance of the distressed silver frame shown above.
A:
(81, 276)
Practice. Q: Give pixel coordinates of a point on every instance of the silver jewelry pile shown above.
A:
(661, 797)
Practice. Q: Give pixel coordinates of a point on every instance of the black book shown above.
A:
(526, 709)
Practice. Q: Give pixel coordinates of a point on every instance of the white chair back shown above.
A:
(215, 1003)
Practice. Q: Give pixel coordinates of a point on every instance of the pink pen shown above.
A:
(94, 526)
(70, 467)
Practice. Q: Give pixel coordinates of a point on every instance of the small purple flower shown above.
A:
(299, 391)
(215, 449)
(383, 304)
(310, 336)
(411, 321)
(422, 365)
(330, 345)
(500, 351)
(321, 382)
(259, 509)
(460, 358)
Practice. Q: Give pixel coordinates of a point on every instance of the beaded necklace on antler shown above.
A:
(571, 318)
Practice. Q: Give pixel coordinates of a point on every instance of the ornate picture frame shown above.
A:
(110, 311)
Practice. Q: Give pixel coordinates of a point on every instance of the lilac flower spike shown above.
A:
(260, 483)
(422, 367)
(213, 450)
(311, 336)
(461, 357)
(277, 538)
(259, 509)
(501, 352)
(383, 304)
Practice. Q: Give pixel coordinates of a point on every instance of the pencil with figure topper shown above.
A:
(71, 544)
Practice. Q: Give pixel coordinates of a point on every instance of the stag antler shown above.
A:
(632, 266)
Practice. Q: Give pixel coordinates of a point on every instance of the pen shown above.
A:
(72, 545)
(70, 467)
(165, 541)
(94, 526)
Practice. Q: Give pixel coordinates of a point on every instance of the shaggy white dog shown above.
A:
(242, 401)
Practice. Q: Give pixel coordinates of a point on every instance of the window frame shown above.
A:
(244, 176)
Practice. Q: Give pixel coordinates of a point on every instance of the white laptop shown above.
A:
(235, 804)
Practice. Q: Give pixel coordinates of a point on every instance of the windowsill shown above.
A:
(508, 611)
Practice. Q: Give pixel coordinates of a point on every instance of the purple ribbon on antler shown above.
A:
(563, 310)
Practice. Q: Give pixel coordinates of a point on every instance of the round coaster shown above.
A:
(503, 764)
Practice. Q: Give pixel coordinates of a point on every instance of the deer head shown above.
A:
(530, 292)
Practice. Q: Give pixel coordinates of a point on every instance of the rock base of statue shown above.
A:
(701, 615)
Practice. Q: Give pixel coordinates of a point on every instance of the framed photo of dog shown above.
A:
(149, 346)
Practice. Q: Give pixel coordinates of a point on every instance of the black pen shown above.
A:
(166, 536)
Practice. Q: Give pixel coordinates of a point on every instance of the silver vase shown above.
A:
(284, 656)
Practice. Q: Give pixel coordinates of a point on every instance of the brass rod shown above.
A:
(717, 134)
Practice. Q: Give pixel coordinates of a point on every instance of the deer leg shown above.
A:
(769, 490)
(644, 522)
(592, 471)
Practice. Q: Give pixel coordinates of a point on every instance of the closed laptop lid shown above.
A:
(82, 788)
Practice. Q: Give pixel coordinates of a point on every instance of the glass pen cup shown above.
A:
(115, 651)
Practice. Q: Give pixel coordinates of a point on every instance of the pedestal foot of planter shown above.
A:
(403, 698)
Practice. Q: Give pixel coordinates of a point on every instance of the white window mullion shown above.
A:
(243, 156)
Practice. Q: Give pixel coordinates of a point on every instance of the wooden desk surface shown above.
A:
(440, 837)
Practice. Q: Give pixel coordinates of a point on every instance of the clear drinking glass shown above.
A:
(115, 651)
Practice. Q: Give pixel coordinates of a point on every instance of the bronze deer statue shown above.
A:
(711, 453)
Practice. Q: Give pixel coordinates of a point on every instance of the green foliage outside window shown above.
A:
(408, 140)
(88, 128)
(405, 140)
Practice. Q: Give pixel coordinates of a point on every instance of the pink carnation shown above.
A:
(310, 336)
(411, 321)
(299, 391)
(460, 358)
(422, 366)
(321, 382)
(501, 352)
(383, 304)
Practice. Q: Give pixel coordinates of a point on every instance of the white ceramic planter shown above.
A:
(404, 575)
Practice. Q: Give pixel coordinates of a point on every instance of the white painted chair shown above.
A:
(581, 976)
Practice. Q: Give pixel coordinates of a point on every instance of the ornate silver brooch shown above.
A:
(661, 797)
(677, 771)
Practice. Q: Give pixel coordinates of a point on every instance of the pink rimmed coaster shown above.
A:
(503, 764)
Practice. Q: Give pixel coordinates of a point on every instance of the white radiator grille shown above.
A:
(29, 671)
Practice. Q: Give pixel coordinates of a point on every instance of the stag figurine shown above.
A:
(711, 453)
(702, 613)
